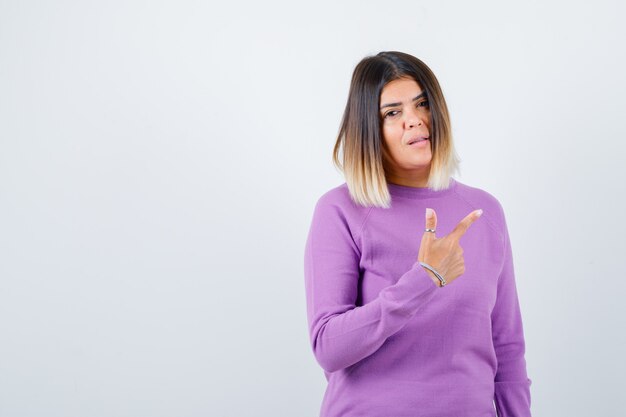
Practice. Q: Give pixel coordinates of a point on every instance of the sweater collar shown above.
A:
(420, 192)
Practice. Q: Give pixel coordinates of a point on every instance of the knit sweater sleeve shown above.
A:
(512, 385)
(342, 333)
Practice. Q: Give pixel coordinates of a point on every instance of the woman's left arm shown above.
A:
(512, 385)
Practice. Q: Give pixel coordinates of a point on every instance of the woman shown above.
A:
(403, 326)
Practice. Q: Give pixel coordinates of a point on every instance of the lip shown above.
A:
(416, 138)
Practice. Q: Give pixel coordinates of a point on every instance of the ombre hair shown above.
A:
(361, 138)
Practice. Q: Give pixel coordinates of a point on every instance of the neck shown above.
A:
(417, 179)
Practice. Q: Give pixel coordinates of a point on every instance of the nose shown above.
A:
(413, 119)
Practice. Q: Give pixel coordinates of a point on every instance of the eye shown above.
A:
(425, 103)
(391, 113)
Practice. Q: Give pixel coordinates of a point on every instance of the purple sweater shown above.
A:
(391, 342)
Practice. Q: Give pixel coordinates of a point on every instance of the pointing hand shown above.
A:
(445, 254)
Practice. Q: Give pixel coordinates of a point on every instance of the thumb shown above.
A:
(431, 222)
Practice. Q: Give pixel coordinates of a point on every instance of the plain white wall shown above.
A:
(159, 164)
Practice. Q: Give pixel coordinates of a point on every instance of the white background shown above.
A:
(160, 161)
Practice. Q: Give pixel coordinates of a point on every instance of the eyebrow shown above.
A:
(422, 94)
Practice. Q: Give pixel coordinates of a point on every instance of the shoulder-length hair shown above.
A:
(360, 134)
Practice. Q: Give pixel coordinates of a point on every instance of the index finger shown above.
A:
(464, 224)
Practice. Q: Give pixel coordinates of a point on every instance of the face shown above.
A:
(405, 120)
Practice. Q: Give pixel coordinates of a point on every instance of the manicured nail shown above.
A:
(479, 212)
(429, 213)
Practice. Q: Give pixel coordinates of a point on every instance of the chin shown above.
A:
(420, 161)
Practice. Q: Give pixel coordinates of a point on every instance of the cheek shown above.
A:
(393, 135)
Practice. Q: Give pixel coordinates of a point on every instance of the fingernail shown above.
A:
(480, 212)
(429, 213)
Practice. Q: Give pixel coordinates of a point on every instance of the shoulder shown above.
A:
(479, 198)
(336, 204)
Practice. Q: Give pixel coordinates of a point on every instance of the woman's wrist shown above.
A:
(432, 276)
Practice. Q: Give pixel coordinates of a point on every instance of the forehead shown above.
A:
(399, 90)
